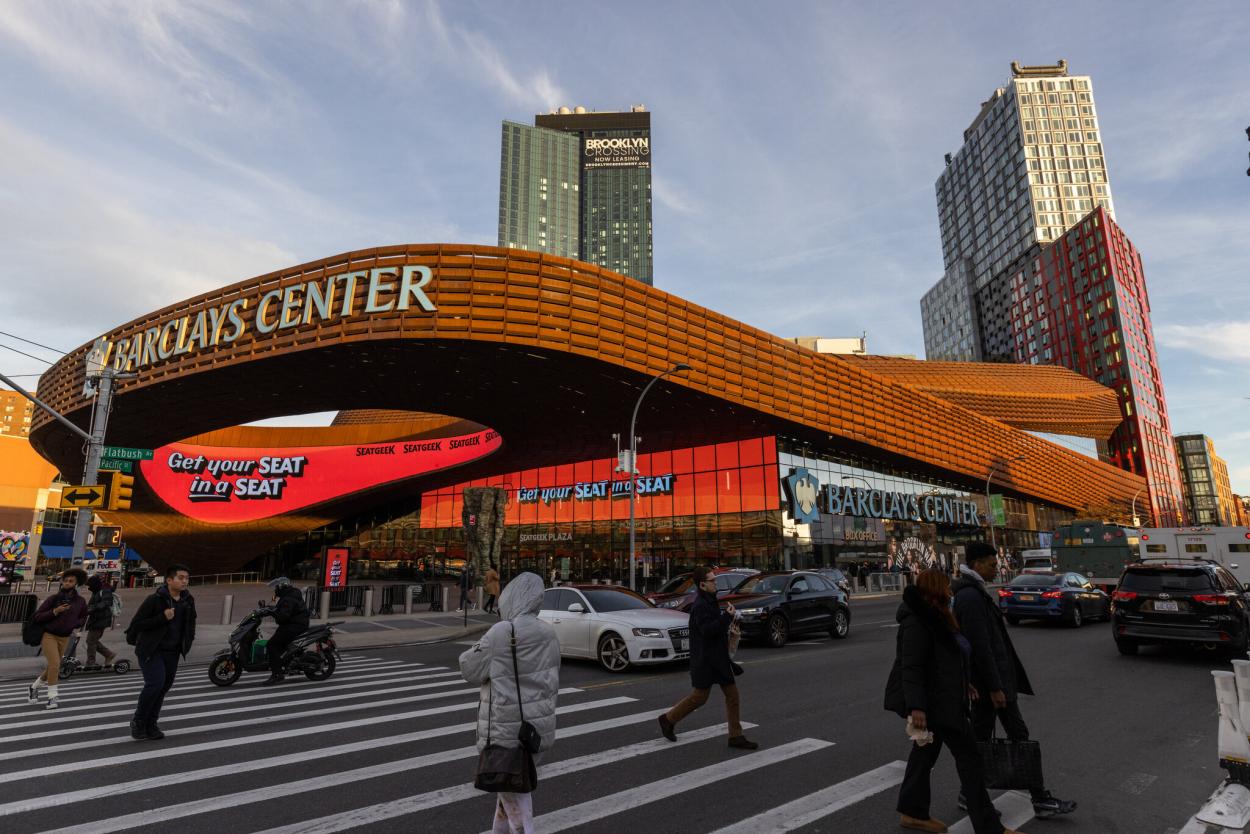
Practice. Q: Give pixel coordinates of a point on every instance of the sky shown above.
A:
(153, 150)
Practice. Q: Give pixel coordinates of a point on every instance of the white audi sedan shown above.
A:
(615, 626)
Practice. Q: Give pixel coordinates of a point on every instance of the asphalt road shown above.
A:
(385, 746)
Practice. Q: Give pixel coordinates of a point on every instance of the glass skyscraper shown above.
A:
(601, 161)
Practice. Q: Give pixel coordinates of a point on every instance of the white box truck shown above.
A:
(1228, 546)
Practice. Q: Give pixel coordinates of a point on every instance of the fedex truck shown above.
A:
(1229, 546)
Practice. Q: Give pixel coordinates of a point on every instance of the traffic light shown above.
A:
(121, 486)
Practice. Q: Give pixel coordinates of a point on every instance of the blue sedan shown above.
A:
(1067, 597)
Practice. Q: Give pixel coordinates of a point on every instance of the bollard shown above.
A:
(368, 609)
(408, 599)
(446, 598)
(227, 608)
(325, 605)
(480, 598)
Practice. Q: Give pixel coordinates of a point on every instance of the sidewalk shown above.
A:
(19, 661)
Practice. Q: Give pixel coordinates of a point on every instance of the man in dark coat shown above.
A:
(709, 662)
(99, 620)
(162, 631)
(997, 672)
(291, 615)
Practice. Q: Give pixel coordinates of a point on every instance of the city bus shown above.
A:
(1228, 546)
(1096, 549)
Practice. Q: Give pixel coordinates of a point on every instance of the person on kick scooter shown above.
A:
(291, 615)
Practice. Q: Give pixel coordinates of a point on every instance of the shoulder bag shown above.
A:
(509, 769)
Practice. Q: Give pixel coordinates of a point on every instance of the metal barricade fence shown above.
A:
(882, 582)
(17, 608)
(350, 600)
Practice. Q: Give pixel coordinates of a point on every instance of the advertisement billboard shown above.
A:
(616, 152)
(335, 561)
(232, 485)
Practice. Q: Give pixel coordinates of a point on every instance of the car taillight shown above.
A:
(1210, 599)
(1003, 593)
(1052, 594)
(1124, 596)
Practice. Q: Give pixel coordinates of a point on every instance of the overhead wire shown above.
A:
(24, 353)
(32, 342)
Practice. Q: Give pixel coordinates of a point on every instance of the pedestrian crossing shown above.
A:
(388, 745)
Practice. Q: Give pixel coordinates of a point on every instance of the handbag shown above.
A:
(32, 632)
(1011, 765)
(509, 769)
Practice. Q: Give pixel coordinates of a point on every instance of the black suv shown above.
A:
(1199, 603)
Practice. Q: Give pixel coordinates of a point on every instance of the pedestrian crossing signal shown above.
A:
(121, 486)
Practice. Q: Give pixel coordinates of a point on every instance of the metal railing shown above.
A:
(17, 608)
(350, 599)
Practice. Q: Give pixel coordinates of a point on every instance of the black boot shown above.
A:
(273, 678)
(154, 732)
(138, 730)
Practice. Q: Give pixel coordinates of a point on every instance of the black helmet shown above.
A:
(279, 583)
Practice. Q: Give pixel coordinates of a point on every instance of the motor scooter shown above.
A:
(313, 653)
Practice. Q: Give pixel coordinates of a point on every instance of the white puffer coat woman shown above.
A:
(489, 663)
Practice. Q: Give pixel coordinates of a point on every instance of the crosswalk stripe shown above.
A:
(609, 806)
(134, 682)
(219, 744)
(252, 705)
(1016, 808)
(444, 796)
(251, 695)
(156, 782)
(807, 809)
(251, 708)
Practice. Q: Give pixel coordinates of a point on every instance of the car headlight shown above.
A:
(748, 611)
(648, 632)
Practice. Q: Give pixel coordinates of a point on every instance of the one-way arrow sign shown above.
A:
(83, 496)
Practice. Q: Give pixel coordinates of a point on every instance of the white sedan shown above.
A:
(614, 626)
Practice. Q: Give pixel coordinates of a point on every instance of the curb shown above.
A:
(459, 634)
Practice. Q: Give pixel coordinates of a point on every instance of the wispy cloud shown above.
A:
(1222, 341)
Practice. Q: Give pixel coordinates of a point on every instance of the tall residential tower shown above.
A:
(578, 184)
(1036, 271)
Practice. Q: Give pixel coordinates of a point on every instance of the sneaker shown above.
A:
(962, 801)
(930, 825)
(53, 703)
(137, 730)
(32, 694)
(667, 728)
(154, 732)
(1050, 805)
(742, 743)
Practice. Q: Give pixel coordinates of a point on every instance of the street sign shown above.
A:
(102, 536)
(127, 466)
(998, 512)
(83, 496)
(126, 453)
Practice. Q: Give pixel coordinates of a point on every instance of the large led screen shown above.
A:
(230, 485)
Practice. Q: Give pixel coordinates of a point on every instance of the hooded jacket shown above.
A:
(489, 664)
(290, 610)
(995, 664)
(64, 623)
(149, 623)
(930, 671)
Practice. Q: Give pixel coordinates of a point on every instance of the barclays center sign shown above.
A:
(333, 297)
(808, 499)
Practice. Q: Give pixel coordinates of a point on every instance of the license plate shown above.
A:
(1026, 597)
(1165, 605)
(683, 646)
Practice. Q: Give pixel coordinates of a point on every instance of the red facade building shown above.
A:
(1081, 302)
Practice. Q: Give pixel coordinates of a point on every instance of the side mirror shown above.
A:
(577, 608)
(1246, 587)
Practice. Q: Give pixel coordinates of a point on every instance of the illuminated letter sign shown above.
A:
(334, 568)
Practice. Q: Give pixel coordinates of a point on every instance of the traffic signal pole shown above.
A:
(95, 449)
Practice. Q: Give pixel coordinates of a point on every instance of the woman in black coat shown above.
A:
(929, 685)
(709, 662)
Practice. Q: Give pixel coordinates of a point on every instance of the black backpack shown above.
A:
(32, 632)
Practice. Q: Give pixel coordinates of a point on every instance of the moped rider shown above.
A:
(291, 615)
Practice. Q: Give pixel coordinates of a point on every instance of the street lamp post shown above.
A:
(1136, 520)
(680, 367)
(989, 513)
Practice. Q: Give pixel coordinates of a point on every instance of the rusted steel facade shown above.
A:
(552, 353)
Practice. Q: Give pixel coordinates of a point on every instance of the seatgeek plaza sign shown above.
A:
(387, 289)
(808, 499)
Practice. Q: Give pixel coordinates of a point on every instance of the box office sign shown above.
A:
(335, 566)
(231, 485)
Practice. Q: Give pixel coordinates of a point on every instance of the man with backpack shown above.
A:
(291, 615)
(100, 611)
(162, 631)
(58, 616)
